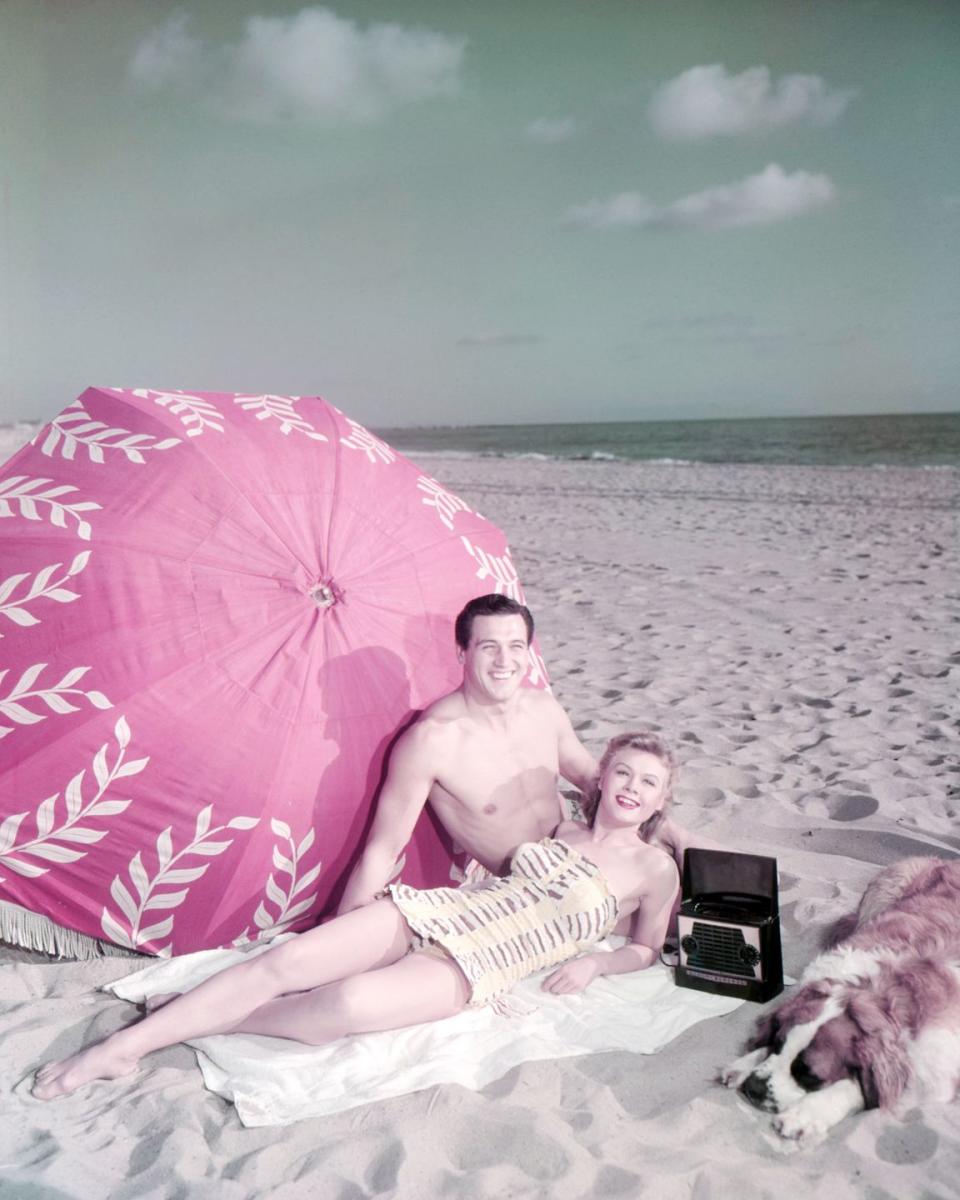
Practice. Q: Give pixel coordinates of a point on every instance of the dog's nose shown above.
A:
(755, 1090)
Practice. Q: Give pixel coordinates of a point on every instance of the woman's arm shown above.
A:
(649, 928)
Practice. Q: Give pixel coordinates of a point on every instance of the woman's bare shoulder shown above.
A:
(659, 866)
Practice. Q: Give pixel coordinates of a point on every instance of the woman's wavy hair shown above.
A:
(648, 742)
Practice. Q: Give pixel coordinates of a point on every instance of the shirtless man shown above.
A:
(487, 757)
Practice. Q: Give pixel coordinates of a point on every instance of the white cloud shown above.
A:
(625, 210)
(761, 199)
(167, 57)
(551, 129)
(311, 66)
(707, 102)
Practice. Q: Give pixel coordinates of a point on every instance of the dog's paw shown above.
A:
(731, 1076)
(734, 1075)
(800, 1126)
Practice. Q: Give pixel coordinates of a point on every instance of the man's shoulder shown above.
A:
(544, 704)
(443, 710)
(436, 724)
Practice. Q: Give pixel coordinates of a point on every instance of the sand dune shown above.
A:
(794, 631)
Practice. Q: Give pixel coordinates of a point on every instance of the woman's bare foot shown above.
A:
(62, 1078)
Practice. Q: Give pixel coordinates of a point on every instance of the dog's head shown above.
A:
(827, 1032)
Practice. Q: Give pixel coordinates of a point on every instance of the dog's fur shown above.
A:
(876, 1020)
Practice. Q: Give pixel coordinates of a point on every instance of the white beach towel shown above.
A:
(273, 1081)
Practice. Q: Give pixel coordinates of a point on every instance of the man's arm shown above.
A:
(676, 839)
(402, 798)
(577, 764)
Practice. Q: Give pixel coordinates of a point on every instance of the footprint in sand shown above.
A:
(381, 1175)
(492, 1143)
(733, 779)
(615, 1181)
(907, 1143)
(851, 807)
(707, 797)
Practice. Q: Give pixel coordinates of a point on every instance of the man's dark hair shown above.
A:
(491, 605)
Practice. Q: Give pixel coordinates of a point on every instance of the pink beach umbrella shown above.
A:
(216, 611)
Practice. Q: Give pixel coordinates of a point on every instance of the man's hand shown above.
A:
(573, 976)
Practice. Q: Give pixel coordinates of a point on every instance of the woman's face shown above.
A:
(633, 787)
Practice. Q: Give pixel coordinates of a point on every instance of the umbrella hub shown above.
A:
(324, 595)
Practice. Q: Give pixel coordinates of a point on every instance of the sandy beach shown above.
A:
(794, 631)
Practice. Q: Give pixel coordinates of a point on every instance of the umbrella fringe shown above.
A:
(32, 931)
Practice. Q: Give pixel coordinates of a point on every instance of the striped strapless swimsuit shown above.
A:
(553, 905)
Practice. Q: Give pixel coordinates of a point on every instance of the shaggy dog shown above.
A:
(876, 1020)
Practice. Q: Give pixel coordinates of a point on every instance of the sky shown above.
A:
(484, 211)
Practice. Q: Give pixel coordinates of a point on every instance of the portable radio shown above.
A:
(729, 925)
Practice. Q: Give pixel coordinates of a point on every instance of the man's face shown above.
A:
(495, 661)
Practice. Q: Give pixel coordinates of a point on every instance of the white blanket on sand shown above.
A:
(273, 1081)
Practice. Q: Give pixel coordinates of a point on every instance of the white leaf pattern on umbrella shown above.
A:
(127, 904)
(280, 408)
(20, 492)
(13, 705)
(287, 864)
(74, 794)
(45, 815)
(436, 496)
(74, 428)
(8, 830)
(360, 438)
(498, 569)
(139, 875)
(136, 936)
(537, 670)
(195, 413)
(43, 845)
(44, 586)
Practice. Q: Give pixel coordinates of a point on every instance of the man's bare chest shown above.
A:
(488, 773)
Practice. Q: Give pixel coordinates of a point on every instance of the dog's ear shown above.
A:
(868, 1086)
(805, 1005)
(879, 1060)
(840, 930)
(883, 1072)
(764, 1032)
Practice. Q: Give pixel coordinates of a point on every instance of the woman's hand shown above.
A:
(573, 976)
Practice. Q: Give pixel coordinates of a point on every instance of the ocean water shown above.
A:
(915, 440)
(922, 440)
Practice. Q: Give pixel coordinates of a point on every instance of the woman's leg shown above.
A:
(365, 938)
(417, 988)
